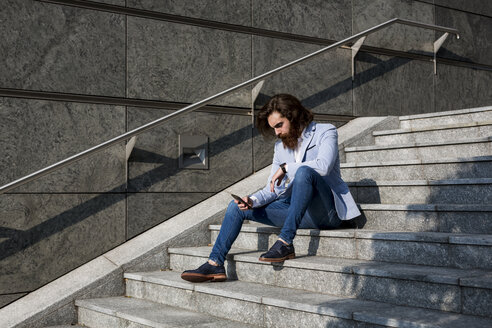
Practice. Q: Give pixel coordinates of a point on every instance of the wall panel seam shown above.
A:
(116, 101)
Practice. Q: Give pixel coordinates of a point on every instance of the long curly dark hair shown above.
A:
(289, 107)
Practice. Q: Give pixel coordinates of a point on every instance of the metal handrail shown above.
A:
(189, 108)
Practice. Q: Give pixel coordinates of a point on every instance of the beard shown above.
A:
(291, 139)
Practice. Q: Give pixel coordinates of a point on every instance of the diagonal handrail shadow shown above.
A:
(381, 67)
(20, 240)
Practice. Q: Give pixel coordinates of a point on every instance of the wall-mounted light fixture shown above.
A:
(193, 152)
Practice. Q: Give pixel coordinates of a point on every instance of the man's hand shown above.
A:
(277, 177)
(243, 207)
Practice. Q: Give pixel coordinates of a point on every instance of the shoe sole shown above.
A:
(278, 259)
(197, 277)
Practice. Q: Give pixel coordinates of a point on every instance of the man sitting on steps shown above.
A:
(304, 190)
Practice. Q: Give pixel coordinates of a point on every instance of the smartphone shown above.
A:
(239, 199)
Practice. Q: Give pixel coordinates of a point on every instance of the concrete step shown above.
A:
(432, 169)
(401, 284)
(66, 326)
(464, 251)
(450, 117)
(434, 133)
(456, 191)
(133, 312)
(422, 151)
(469, 219)
(271, 306)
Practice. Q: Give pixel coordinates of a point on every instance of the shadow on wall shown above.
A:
(380, 68)
(18, 241)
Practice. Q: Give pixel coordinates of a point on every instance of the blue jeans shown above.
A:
(310, 206)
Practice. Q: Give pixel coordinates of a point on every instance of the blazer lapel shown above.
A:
(307, 137)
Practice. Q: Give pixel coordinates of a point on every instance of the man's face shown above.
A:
(282, 128)
(279, 124)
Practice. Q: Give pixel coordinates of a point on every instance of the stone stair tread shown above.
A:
(466, 181)
(418, 144)
(154, 314)
(428, 207)
(204, 251)
(261, 228)
(417, 162)
(66, 326)
(431, 128)
(435, 237)
(484, 281)
(447, 113)
(442, 275)
(323, 304)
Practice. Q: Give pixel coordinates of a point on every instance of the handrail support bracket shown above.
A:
(129, 146)
(254, 94)
(437, 45)
(355, 49)
(256, 91)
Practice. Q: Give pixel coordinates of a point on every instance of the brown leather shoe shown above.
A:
(205, 272)
(279, 252)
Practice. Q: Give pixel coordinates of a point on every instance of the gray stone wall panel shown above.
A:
(263, 151)
(37, 133)
(475, 6)
(146, 210)
(367, 14)
(475, 35)
(458, 88)
(49, 235)
(153, 165)
(176, 62)
(322, 19)
(6, 299)
(57, 48)
(226, 11)
(479, 7)
(323, 84)
(392, 86)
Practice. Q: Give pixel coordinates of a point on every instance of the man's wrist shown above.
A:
(283, 166)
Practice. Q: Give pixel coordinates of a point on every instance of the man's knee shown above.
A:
(232, 206)
(234, 210)
(304, 173)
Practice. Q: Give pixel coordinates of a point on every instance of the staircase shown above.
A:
(420, 256)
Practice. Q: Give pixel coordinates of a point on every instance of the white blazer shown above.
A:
(318, 150)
